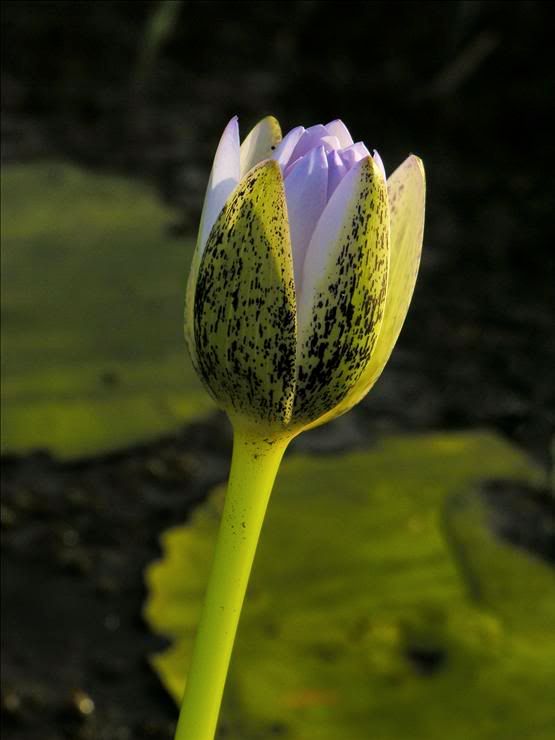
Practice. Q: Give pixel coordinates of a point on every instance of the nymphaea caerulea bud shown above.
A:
(303, 272)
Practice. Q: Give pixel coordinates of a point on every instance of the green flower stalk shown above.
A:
(304, 269)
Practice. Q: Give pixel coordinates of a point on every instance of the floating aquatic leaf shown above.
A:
(358, 616)
(92, 294)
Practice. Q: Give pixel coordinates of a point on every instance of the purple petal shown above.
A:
(223, 179)
(306, 188)
(338, 128)
(336, 171)
(324, 238)
(331, 143)
(353, 154)
(311, 138)
(285, 148)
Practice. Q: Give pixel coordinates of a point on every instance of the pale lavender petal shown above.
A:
(285, 148)
(338, 128)
(223, 179)
(306, 188)
(353, 154)
(321, 244)
(311, 138)
(336, 171)
(378, 160)
(330, 143)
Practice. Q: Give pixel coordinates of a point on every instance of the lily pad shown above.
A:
(358, 622)
(93, 288)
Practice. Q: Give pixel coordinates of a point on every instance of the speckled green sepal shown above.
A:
(189, 323)
(406, 189)
(346, 303)
(244, 312)
(260, 143)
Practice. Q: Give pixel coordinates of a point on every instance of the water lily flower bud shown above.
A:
(301, 279)
(303, 272)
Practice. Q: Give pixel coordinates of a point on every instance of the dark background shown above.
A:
(145, 89)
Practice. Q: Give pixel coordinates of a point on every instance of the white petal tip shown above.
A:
(378, 160)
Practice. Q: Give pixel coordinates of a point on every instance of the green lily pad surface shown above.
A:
(93, 288)
(360, 621)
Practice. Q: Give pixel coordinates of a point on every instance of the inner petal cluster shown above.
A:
(314, 161)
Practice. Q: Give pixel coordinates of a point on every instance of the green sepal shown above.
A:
(259, 143)
(244, 305)
(345, 309)
(406, 193)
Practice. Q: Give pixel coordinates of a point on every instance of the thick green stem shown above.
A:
(254, 467)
